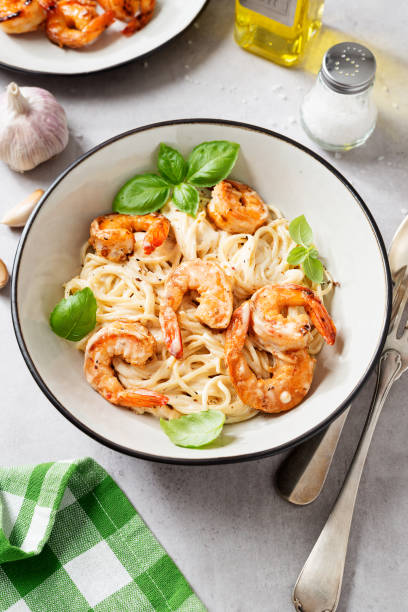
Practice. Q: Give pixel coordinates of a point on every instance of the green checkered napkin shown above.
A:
(70, 541)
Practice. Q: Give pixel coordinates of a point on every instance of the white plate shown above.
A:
(33, 52)
(286, 174)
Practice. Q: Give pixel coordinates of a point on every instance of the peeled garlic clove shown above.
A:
(18, 215)
(4, 275)
(33, 127)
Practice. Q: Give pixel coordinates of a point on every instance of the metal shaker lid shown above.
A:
(348, 68)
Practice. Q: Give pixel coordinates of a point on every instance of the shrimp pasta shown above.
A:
(133, 289)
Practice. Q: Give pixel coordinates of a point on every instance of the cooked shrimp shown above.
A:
(76, 23)
(19, 16)
(112, 235)
(276, 332)
(215, 299)
(137, 13)
(135, 344)
(236, 208)
(290, 380)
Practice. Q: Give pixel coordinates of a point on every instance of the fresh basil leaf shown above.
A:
(314, 253)
(300, 231)
(194, 430)
(143, 194)
(171, 164)
(313, 268)
(211, 162)
(297, 255)
(186, 198)
(75, 316)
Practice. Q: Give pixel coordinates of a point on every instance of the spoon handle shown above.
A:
(302, 474)
(319, 584)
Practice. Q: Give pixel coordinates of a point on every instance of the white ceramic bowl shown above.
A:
(287, 175)
(33, 52)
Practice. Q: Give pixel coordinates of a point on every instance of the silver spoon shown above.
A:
(302, 474)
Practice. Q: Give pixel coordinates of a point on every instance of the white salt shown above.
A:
(337, 119)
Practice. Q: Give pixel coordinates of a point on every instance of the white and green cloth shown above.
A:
(70, 540)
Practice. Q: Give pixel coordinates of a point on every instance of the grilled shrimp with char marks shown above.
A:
(290, 377)
(112, 235)
(137, 13)
(215, 299)
(76, 23)
(236, 208)
(274, 331)
(20, 16)
(135, 344)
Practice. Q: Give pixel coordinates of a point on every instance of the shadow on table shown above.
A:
(39, 177)
(241, 504)
(387, 63)
(6, 292)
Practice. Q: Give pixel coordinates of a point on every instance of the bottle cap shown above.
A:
(348, 68)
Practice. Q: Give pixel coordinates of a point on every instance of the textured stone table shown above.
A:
(237, 542)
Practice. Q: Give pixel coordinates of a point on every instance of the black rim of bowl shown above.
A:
(113, 66)
(198, 461)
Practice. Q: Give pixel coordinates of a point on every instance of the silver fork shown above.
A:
(319, 584)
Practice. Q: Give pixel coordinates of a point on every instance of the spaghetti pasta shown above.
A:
(132, 290)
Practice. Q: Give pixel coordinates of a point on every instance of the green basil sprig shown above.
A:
(208, 163)
(194, 430)
(305, 253)
(143, 194)
(171, 164)
(186, 198)
(75, 316)
(211, 162)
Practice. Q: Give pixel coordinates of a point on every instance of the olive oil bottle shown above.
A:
(277, 29)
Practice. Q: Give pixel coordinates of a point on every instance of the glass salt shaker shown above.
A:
(339, 112)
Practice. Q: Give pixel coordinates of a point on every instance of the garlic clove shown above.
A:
(18, 215)
(4, 275)
(33, 127)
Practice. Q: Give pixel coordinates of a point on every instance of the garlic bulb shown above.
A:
(33, 127)
(18, 215)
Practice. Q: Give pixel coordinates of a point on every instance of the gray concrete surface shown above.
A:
(237, 542)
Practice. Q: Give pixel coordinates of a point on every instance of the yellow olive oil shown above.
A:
(277, 29)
